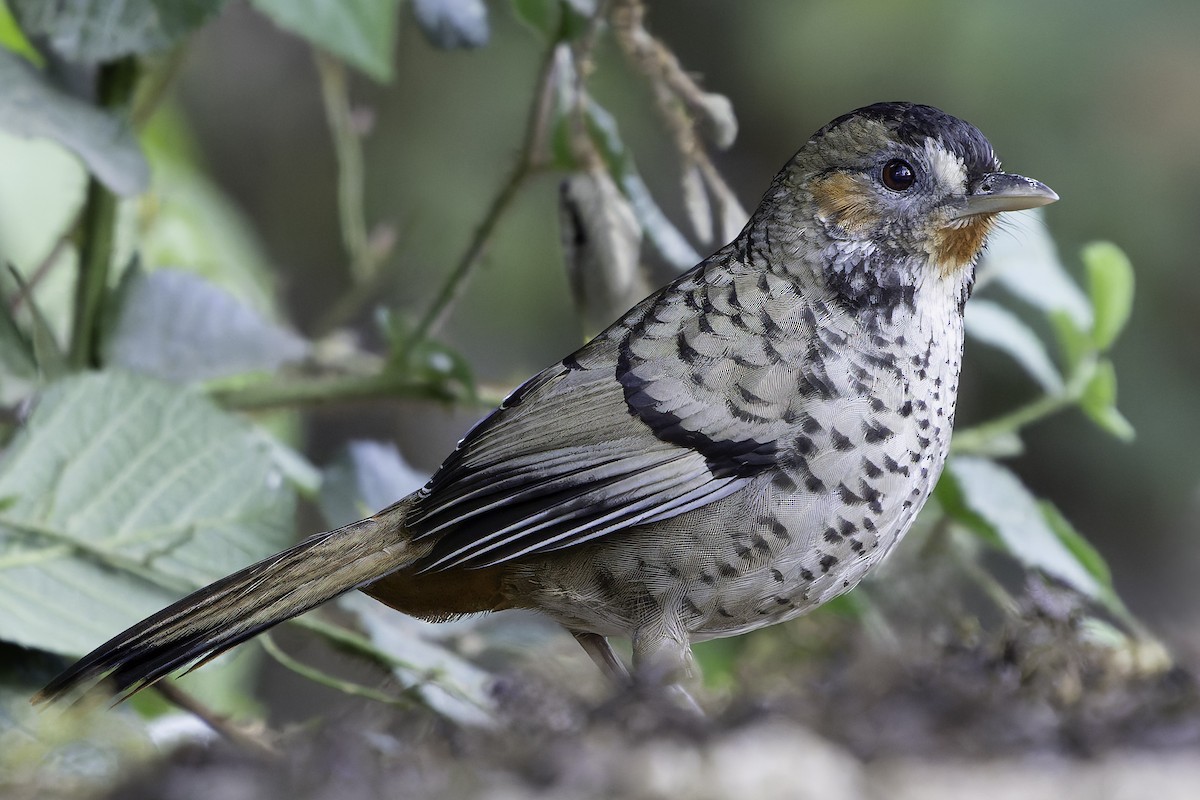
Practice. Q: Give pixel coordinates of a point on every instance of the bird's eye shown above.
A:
(898, 175)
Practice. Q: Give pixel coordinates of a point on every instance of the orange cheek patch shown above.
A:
(955, 248)
(845, 200)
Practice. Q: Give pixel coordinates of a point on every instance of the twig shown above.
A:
(42, 269)
(347, 388)
(975, 438)
(218, 722)
(530, 160)
(325, 679)
(116, 84)
(348, 150)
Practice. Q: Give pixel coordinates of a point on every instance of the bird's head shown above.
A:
(899, 191)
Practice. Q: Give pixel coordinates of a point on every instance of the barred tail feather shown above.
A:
(213, 619)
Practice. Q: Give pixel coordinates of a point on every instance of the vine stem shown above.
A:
(348, 150)
(975, 439)
(115, 89)
(218, 722)
(528, 162)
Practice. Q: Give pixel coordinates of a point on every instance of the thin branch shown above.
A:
(316, 391)
(43, 269)
(530, 160)
(325, 679)
(335, 94)
(220, 723)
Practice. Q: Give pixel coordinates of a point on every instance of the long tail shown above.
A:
(212, 620)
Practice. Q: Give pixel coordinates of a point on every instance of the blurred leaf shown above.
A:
(1073, 342)
(180, 328)
(366, 477)
(1022, 257)
(361, 32)
(452, 24)
(1110, 283)
(32, 108)
(996, 497)
(717, 119)
(602, 243)
(1099, 402)
(665, 237)
(995, 325)
(445, 681)
(1081, 548)
(94, 31)
(541, 15)
(427, 361)
(13, 38)
(128, 493)
(953, 502)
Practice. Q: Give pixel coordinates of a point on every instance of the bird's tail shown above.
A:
(212, 620)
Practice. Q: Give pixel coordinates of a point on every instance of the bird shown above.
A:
(737, 449)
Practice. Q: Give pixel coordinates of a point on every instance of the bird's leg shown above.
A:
(601, 652)
(662, 657)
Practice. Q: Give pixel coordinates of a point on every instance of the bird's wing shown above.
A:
(561, 462)
(673, 408)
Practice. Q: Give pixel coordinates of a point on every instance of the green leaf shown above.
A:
(996, 497)
(995, 325)
(1110, 284)
(452, 24)
(444, 680)
(1073, 342)
(540, 15)
(1099, 402)
(366, 477)
(13, 38)
(180, 328)
(94, 31)
(425, 361)
(32, 108)
(128, 493)
(1087, 555)
(1022, 258)
(360, 32)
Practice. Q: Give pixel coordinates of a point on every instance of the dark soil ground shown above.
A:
(1031, 707)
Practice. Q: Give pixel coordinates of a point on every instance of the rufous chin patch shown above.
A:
(954, 247)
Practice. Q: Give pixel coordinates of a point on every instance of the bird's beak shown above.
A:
(1000, 191)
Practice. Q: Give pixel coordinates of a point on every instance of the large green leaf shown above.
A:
(120, 494)
(361, 32)
(995, 325)
(993, 495)
(30, 106)
(92, 31)
(1022, 257)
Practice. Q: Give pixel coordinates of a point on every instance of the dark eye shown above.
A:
(898, 175)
